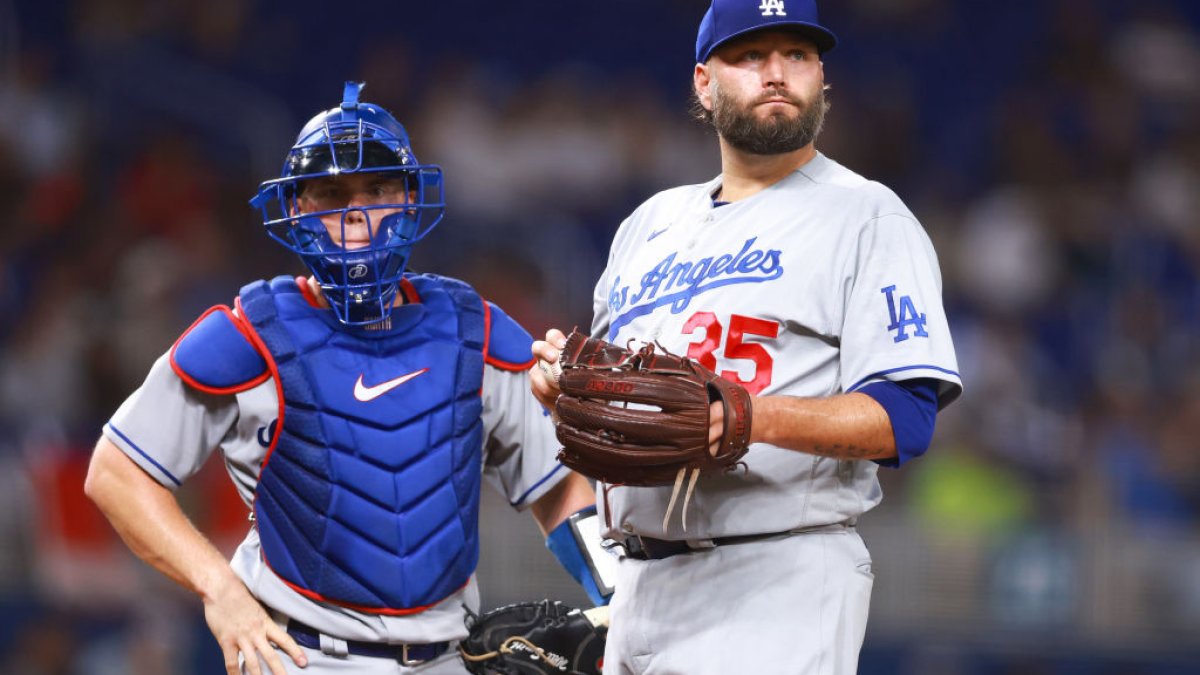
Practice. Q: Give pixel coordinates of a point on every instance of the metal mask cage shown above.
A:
(360, 283)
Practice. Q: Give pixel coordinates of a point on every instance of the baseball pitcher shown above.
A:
(762, 344)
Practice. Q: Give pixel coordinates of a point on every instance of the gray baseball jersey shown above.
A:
(818, 285)
(170, 430)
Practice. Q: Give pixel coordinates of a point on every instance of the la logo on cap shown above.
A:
(772, 8)
(726, 20)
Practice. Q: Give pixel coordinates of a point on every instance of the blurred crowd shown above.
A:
(1051, 149)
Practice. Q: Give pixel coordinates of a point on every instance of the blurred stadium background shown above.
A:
(1050, 147)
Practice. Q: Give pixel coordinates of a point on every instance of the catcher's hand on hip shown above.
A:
(243, 628)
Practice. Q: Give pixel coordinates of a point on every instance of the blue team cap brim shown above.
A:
(820, 35)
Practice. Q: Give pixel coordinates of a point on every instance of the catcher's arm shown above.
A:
(572, 494)
(572, 497)
(151, 522)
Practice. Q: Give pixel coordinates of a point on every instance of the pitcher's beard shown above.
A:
(775, 135)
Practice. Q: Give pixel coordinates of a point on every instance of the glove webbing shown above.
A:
(504, 648)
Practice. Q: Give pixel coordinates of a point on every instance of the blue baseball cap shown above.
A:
(729, 19)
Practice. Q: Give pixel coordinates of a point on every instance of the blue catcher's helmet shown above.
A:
(360, 282)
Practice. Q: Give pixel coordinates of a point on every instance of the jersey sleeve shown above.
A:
(601, 309)
(168, 428)
(894, 324)
(520, 446)
(600, 315)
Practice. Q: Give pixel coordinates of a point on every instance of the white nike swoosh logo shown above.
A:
(366, 394)
(654, 235)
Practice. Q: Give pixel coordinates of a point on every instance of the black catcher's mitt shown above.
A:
(535, 638)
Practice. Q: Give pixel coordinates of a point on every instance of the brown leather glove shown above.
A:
(642, 417)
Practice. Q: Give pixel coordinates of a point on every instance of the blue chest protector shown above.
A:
(370, 497)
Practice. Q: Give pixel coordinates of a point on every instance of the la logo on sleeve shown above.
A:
(908, 316)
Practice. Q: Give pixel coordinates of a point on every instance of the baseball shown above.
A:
(552, 370)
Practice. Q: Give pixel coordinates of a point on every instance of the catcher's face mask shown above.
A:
(351, 202)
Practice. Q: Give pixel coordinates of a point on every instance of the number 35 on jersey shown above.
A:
(714, 337)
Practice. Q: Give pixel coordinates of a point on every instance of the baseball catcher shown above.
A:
(536, 638)
(644, 417)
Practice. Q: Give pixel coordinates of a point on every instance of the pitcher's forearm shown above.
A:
(846, 426)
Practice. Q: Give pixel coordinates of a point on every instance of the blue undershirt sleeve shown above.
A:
(911, 405)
